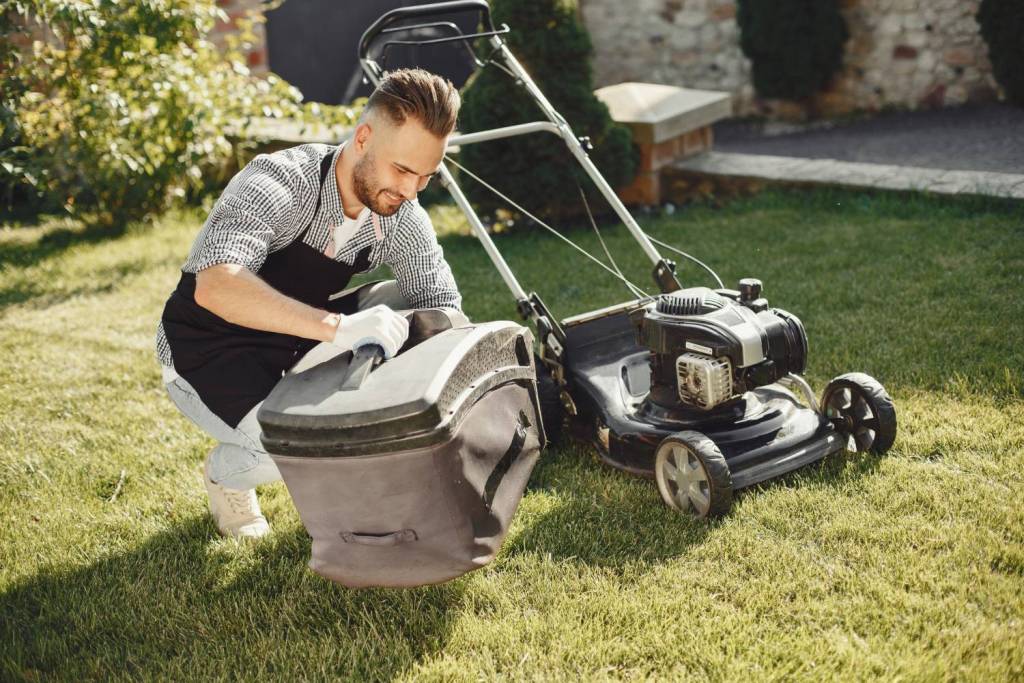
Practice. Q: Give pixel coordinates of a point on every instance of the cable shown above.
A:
(692, 258)
(542, 223)
(492, 61)
(635, 291)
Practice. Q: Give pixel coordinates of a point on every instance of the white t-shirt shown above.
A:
(343, 233)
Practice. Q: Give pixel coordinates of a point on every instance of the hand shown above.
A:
(378, 325)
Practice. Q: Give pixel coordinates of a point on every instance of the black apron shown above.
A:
(233, 368)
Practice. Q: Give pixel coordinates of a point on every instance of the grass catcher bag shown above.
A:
(409, 474)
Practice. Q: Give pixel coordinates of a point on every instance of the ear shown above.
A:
(362, 136)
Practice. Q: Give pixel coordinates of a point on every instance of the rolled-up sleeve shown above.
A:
(258, 205)
(417, 261)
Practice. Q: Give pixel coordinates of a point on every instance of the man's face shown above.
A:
(396, 162)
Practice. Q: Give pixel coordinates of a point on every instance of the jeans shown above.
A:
(238, 461)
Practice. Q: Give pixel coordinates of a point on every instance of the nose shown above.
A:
(409, 187)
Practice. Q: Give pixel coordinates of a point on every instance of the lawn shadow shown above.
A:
(40, 294)
(603, 517)
(615, 520)
(184, 605)
(26, 254)
(22, 255)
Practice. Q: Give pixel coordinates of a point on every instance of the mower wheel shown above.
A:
(692, 474)
(552, 412)
(860, 409)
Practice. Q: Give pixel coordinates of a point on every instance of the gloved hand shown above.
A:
(378, 325)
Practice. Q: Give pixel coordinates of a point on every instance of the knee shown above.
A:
(241, 468)
(386, 293)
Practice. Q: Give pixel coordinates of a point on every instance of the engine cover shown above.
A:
(708, 347)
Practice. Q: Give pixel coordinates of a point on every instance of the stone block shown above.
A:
(916, 39)
(959, 57)
(690, 19)
(934, 98)
(724, 12)
(891, 25)
(656, 113)
(956, 94)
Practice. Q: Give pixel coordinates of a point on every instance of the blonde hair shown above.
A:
(430, 99)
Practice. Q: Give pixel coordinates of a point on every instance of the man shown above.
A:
(262, 284)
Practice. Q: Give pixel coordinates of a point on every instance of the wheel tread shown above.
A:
(881, 404)
(717, 469)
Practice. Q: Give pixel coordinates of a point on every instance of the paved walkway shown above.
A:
(855, 174)
(975, 149)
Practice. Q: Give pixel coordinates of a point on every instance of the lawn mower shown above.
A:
(698, 388)
(694, 387)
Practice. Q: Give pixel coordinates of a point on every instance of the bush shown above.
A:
(123, 107)
(795, 46)
(537, 170)
(1002, 27)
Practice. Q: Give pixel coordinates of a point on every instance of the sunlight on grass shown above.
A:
(910, 565)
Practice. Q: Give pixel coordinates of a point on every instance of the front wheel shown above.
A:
(861, 410)
(692, 474)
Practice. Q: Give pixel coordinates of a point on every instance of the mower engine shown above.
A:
(708, 347)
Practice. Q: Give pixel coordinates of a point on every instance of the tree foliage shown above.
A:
(1002, 27)
(120, 107)
(537, 170)
(795, 46)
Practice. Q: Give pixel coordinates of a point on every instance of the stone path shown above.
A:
(983, 137)
(976, 149)
(855, 174)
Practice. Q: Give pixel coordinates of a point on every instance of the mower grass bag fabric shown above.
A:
(412, 478)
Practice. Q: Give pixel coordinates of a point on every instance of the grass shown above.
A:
(906, 566)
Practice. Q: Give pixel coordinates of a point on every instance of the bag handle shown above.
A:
(394, 538)
(515, 449)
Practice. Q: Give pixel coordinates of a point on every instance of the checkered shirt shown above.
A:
(268, 204)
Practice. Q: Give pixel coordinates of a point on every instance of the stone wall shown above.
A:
(901, 53)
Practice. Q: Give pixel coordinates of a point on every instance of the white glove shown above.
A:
(378, 325)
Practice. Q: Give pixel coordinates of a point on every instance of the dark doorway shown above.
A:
(312, 44)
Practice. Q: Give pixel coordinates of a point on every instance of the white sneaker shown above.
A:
(235, 512)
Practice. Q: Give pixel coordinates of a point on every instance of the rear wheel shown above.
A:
(692, 474)
(552, 412)
(861, 410)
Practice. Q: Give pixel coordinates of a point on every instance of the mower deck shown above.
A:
(764, 434)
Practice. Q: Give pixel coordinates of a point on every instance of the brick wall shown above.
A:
(902, 53)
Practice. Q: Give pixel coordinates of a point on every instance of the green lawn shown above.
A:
(905, 566)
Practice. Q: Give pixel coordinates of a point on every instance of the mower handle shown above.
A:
(400, 13)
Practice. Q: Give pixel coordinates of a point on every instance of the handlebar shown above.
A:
(401, 13)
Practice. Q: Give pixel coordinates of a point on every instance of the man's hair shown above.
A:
(418, 94)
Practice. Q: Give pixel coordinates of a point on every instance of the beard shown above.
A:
(368, 190)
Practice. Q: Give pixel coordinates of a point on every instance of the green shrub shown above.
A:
(1002, 27)
(124, 107)
(538, 171)
(795, 46)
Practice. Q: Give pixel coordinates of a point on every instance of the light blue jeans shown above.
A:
(239, 461)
